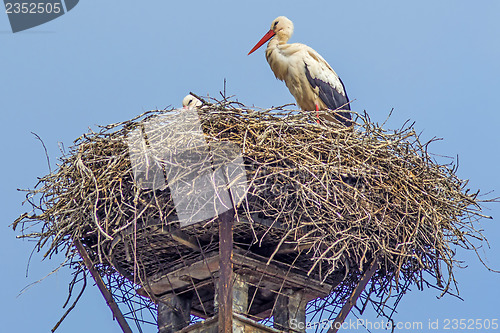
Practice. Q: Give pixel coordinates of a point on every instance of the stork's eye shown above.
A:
(190, 101)
(275, 24)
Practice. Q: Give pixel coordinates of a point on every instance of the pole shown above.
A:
(102, 287)
(226, 271)
(354, 297)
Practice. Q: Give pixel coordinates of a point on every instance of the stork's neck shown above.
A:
(283, 36)
(273, 43)
(276, 57)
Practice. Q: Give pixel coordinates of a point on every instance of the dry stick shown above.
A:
(200, 98)
(102, 287)
(72, 305)
(44, 148)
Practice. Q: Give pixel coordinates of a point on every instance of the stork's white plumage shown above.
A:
(308, 76)
(191, 102)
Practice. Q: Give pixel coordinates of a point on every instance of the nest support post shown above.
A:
(102, 287)
(239, 301)
(337, 323)
(225, 288)
(290, 311)
(174, 312)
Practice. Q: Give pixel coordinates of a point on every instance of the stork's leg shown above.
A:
(317, 113)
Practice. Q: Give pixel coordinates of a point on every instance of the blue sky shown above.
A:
(435, 63)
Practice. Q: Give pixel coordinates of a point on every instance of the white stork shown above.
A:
(191, 102)
(308, 76)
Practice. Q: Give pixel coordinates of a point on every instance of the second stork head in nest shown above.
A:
(308, 76)
(191, 102)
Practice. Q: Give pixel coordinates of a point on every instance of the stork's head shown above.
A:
(191, 102)
(281, 27)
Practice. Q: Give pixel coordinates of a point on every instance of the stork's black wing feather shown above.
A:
(332, 98)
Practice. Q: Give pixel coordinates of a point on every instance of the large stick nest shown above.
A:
(339, 196)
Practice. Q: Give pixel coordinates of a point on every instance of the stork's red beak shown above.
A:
(270, 34)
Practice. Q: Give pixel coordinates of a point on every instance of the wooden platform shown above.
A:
(199, 278)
